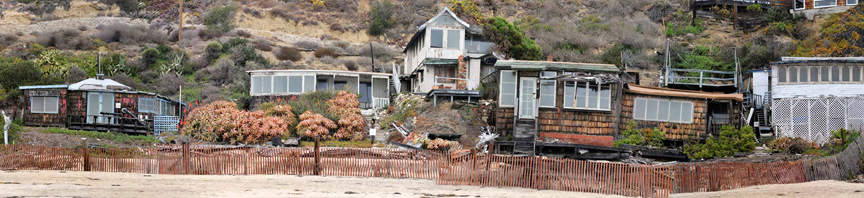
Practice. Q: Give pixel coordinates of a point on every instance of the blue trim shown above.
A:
(44, 87)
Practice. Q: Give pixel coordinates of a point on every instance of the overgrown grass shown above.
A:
(104, 135)
(337, 143)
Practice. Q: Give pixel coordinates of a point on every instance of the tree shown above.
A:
(510, 40)
(221, 18)
(382, 18)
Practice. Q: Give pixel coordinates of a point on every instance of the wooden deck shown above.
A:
(109, 123)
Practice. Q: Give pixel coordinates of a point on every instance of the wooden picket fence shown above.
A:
(445, 168)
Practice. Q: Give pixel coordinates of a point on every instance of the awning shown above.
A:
(657, 91)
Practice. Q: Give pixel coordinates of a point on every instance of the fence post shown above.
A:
(86, 155)
(185, 151)
(317, 167)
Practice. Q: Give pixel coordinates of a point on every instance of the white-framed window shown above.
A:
(283, 84)
(295, 84)
(824, 3)
(851, 2)
(663, 110)
(547, 88)
(147, 105)
(507, 93)
(799, 4)
(436, 38)
(262, 84)
(44, 104)
(819, 74)
(588, 95)
(453, 39)
(280, 84)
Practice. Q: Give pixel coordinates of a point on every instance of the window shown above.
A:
(824, 3)
(823, 74)
(590, 96)
(437, 37)
(147, 105)
(662, 110)
(851, 2)
(507, 96)
(453, 39)
(856, 74)
(44, 104)
(799, 4)
(793, 74)
(547, 89)
(835, 74)
(280, 84)
(569, 92)
(445, 72)
(781, 74)
(308, 83)
(256, 84)
(261, 84)
(845, 74)
(295, 84)
(803, 75)
(322, 84)
(814, 74)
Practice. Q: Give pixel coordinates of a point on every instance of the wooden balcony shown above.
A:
(109, 123)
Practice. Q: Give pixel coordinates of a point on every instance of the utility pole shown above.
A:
(180, 19)
(372, 54)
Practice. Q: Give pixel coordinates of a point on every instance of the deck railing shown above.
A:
(109, 123)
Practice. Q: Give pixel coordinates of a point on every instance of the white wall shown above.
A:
(761, 82)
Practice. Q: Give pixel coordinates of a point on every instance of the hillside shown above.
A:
(56, 41)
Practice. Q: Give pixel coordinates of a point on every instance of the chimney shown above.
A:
(549, 58)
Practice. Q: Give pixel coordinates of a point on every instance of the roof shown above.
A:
(440, 61)
(560, 66)
(790, 60)
(93, 84)
(44, 87)
(318, 72)
(422, 28)
(658, 91)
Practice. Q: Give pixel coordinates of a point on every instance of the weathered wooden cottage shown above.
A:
(280, 85)
(812, 96)
(682, 114)
(446, 53)
(96, 104)
(548, 103)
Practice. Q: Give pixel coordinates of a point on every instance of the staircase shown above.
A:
(764, 128)
(524, 136)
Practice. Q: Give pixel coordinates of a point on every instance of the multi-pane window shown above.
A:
(589, 96)
(453, 39)
(507, 97)
(147, 105)
(819, 74)
(662, 110)
(436, 38)
(824, 3)
(280, 84)
(291, 84)
(569, 92)
(44, 104)
(547, 89)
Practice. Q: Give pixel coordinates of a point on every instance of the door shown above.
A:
(98, 103)
(527, 97)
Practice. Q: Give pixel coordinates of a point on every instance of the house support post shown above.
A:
(735, 17)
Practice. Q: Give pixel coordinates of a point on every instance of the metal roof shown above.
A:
(558, 66)
(791, 60)
(44, 87)
(93, 84)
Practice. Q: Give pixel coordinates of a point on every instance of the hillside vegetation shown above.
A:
(57, 41)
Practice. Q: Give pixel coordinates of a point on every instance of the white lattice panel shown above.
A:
(814, 119)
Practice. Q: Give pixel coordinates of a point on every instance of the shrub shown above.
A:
(213, 51)
(243, 33)
(222, 121)
(326, 51)
(289, 53)
(44, 7)
(262, 44)
(220, 18)
(644, 137)
(351, 124)
(66, 39)
(350, 65)
(729, 142)
(130, 35)
(309, 45)
(127, 6)
(509, 38)
(754, 8)
(382, 18)
(841, 138)
(312, 124)
(382, 52)
(207, 34)
(7, 39)
(777, 14)
(795, 145)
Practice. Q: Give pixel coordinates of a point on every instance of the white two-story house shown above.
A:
(446, 53)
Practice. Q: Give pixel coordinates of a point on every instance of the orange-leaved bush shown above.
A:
(312, 124)
(222, 121)
(351, 122)
(282, 111)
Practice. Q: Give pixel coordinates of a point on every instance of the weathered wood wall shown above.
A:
(675, 131)
(46, 119)
(77, 102)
